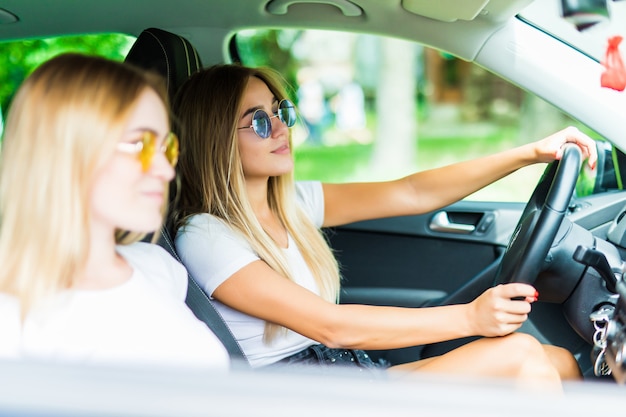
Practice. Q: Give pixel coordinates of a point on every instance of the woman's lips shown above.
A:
(281, 150)
(155, 195)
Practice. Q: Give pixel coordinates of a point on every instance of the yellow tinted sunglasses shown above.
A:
(146, 148)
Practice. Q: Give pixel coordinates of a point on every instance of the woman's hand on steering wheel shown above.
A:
(551, 147)
(501, 309)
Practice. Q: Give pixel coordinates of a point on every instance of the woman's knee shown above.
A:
(563, 360)
(523, 343)
(530, 358)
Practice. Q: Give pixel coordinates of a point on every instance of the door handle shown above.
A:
(441, 223)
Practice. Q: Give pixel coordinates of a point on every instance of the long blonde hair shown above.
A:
(64, 120)
(206, 109)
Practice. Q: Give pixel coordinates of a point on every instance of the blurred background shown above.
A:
(370, 108)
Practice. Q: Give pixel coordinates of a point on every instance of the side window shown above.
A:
(375, 108)
(20, 57)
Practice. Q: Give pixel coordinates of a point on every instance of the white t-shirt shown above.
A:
(212, 252)
(142, 321)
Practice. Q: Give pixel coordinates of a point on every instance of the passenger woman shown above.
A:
(86, 159)
(251, 236)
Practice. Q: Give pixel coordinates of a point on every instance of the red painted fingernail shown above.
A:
(536, 295)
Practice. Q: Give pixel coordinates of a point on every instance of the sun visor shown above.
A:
(453, 10)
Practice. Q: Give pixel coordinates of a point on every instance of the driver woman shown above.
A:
(251, 237)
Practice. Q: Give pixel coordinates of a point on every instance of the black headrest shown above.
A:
(167, 54)
(174, 58)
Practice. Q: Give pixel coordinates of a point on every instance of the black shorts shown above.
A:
(325, 357)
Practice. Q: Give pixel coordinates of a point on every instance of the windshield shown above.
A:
(587, 25)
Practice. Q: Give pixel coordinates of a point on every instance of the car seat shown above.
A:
(176, 59)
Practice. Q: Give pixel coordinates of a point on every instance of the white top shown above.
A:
(212, 252)
(142, 321)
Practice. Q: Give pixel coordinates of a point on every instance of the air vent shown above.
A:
(616, 233)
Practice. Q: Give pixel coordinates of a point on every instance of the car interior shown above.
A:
(572, 247)
(175, 58)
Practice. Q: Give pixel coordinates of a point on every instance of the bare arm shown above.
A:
(432, 189)
(259, 291)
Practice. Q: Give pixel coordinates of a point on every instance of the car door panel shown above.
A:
(413, 260)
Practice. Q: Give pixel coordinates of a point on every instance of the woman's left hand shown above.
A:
(551, 147)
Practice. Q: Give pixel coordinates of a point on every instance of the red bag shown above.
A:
(615, 74)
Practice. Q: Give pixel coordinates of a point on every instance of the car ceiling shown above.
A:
(482, 31)
(198, 19)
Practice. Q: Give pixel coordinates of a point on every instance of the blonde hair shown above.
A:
(207, 110)
(65, 119)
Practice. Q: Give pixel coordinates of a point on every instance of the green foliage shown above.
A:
(331, 163)
(270, 48)
(19, 58)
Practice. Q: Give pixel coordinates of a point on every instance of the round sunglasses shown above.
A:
(147, 147)
(262, 122)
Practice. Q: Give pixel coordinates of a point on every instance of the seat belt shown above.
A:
(203, 308)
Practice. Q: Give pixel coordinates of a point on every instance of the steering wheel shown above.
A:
(540, 220)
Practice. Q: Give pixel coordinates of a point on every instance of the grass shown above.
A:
(331, 163)
(349, 162)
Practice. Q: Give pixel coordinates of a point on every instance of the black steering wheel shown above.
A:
(540, 220)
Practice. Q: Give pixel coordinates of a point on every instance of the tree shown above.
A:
(19, 58)
(396, 128)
